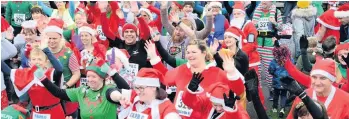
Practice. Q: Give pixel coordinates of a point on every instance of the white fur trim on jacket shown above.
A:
(53, 29)
(147, 81)
(341, 14)
(87, 29)
(237, 75)
(324, 73)
(308, 12)
(228, 109)
(327, 25)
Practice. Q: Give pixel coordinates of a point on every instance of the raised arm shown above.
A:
(202, 34)
(164, 18)
(144, 30)
(165, 56)
(48, 11)
(297, 75)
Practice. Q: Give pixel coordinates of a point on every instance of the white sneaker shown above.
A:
(275, 110)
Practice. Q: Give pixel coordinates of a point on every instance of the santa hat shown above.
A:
(121, 54)
(55, 25)
(4, 25)
(236, 33)
(87, 28)
(328, 20)
(129, 26)
(325, 67)
(303, 4)
(148, 77)
(339, 47)
(180, 4)
(216, 92)
(342, 11)
(147, 11)
(239, 6)
(211, 4)
(31, 24)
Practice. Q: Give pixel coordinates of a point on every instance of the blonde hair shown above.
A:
(36, 52)
(201, 44)
(312, 41)
(188, 23)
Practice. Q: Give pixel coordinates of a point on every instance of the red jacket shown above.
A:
(251, 48)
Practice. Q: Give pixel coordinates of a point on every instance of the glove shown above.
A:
(39, 73)
(303, 42)
(195, 81)
(291, 85)
(232, 98)
(346, 60)
(251, 84)
(276, 43)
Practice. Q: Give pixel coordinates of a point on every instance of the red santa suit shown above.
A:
(203, 103)
(336, 102)
(158, 109)
(181, 76)
(331, 23)
(24, 81)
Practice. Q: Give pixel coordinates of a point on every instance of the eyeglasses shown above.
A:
(140, 88)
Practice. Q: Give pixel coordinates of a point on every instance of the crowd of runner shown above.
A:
(174, 60)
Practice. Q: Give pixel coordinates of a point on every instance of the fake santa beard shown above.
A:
(237, 22)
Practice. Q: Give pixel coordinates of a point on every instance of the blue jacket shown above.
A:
(277, 72)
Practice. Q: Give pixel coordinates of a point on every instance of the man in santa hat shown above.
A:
(71, 67)
(342, 14)
(328, 25)
(250, 32)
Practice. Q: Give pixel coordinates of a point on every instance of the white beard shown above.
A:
(237, 22)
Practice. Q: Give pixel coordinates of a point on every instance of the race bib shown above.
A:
(83, 81)
(19, 18)
(41, 116)
(171, 89)
(137, 115)
(100, 32)
(182, 109)
(133, 70)
(264, 24)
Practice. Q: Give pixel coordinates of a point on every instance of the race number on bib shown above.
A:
(83, 81)
(41, 116)
(137, 115)
(171, 89)
(100, 32)
(19, 18)
(182, 109)
(263, 24)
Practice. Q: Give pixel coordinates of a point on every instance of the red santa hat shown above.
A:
(342, 11)
(147, 11)
(129, 26)
(328, 20)
(236, 33)
(339, 47)
(4, 25)
(121, 54)
(325, 67)
(211, 4)
(216, 92)
(31, 24)
(55, 25)
(239, 6)
(148, 77)
(87, 28)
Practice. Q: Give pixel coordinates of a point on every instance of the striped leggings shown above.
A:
(266, 54)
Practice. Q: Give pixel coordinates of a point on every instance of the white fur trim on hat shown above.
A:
(148, 12)
(341, 14)
(327, 25)
(53, 29)
(211, 4)
(324, 73)
(217, 100)
(240, 10)
(29, 24)
(231, 34)
(144, 81)
(87, 29)
(120, 55)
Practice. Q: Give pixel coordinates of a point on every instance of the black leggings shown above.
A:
(282, 93)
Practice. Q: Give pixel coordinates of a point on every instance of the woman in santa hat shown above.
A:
(321, 87)
(342, 72)
(25, 81)
(219, 103)
(67, 15)
(96, 100)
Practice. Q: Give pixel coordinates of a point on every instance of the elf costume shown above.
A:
(14, 112)
(18, 12)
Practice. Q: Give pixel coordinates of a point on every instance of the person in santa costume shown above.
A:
(8, 50)
(342, 67)
(220, 102)
(96, 100)
(147, 100)
(25, 81)
(71, 68)
(130, 34)
(268, 20)
(199, 61)
(328, 25)
(342, 14)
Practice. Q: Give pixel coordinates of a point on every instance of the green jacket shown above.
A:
(17, 12)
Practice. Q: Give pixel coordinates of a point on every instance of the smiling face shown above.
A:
(145, 93)
(29, 35)
(229, 40)
(145, 16)
(37, 57)
(342, 53)
(320, 83)
(54, 40)
(130, 36)
(266, 4)
(188, 9)
(194, 55)
(178, 34)
(86, 38)
(60, 4)
(218, 107)
(94, 80)
(80, 19)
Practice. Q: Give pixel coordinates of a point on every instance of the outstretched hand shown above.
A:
(150, 48)
(195, 81)
(230, 102)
